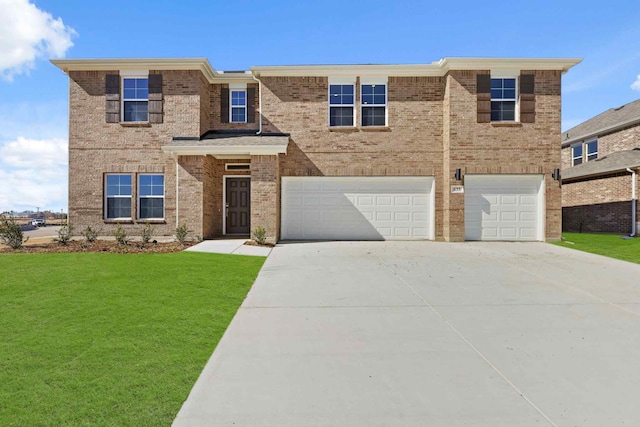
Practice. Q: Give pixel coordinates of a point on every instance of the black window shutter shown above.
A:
(251, 107)
(155, 98)
(484, 98)
(112, 98)
(224, 105)
(527, 98)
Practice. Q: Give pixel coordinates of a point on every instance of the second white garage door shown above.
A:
(503, 207)
(357, 208)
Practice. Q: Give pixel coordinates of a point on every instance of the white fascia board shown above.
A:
(249, 150)
(508, 64)
(134, 64)
(438, 68)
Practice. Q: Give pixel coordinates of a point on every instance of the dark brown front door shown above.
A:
(238, 207)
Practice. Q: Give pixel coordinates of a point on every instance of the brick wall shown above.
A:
(411, 145)
(598, 205)
(97, 147)
(624, 139)
(490, 148)
(265, 195)
(214, 107)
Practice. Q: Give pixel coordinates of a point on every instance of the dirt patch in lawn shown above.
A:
(97, 246)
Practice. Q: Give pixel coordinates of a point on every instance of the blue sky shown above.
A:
(234, 35)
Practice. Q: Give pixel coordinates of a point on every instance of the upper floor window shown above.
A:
(576, 154)
(374, 104)
(503, 99)
(150, 196)
(584, 151)
(117, 196)
(341, 104)
(135, 99)
(238, 103)
(592, 149)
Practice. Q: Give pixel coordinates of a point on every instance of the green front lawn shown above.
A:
(107, 339)
(611, 245)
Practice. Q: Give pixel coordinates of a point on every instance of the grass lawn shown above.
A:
(109, 339)
(611, 245)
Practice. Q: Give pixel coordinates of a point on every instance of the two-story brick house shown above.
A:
(600, 164)
(459, 149)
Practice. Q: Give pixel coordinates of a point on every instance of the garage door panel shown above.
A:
(355, 208)
(503, 207)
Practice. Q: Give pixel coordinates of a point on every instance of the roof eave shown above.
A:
(241, 150)
(601, 173)
(600, 132)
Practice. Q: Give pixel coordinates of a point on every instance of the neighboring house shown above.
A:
(459, 149)
(600, 161)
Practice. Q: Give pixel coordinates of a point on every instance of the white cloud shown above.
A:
(636, 85)
(28, 33)
(33, 174)
(24, 153)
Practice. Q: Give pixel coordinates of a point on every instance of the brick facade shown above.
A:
(432, 131)
(600, 203)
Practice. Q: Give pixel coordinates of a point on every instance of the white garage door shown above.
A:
(503, 207)
(357, 208)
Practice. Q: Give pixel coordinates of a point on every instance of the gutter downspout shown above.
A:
(633, 202)
(259, 102)
(177, 188)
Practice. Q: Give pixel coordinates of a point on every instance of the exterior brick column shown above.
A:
(265, 195)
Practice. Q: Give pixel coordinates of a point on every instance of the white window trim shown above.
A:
(585, 150)
(231, 106)
(516, 77)
(106, 197)
(369, 81)
(132, 75)
(581, 157)
(138, 197)
(344, 81)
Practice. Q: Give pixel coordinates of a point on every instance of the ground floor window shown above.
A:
(151, 196)
(118, 196)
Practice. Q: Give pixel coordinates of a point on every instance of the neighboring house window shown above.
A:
(592, 150)
(150, 196)
(374, 104)
(238, 106)
(576, 154)
(503, 99)
(341, 104)
(135, 99)
(118, 196)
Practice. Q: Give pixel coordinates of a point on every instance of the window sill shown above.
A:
(375, 128)
(506, 124)
(135, 124)
(118, 221)
(151, 221)
(343, 129)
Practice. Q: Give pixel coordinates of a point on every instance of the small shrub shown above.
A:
(181, 234)
(11, 233)
(121, 235)
(147, 232)
(260, 235)
(90, 235)
(64, 234)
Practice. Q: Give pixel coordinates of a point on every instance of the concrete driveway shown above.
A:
(428, 334)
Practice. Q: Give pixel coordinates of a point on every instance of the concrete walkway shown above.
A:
(229, 246)
(428, 334)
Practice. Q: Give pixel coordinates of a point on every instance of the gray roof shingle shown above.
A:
(614, 162)
(610, 118)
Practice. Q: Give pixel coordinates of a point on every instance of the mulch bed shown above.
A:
(99, 246)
